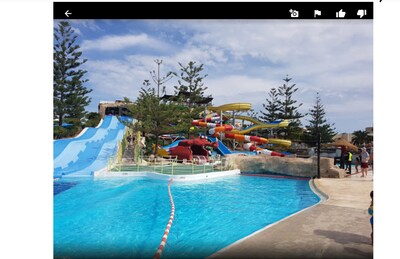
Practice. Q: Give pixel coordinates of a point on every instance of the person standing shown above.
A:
(364, 161)
(358, 162)
(349, 160)
(342, 157)
(345, 159)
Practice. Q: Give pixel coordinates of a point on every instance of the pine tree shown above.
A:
(271, 110)
(69, 94)
(289, 110)
(191, 81)
(158, 80)
(318, 124)
(155, 117)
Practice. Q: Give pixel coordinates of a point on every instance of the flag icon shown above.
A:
(317, 12)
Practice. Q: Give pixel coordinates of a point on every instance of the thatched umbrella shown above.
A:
(343, 143)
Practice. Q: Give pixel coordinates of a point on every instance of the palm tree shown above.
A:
(361, 137)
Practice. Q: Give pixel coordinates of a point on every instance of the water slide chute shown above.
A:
(82, 156)
(228, 131)
(278, 124)
(245, 138)
(164, 151)
(222, 128)
(205, 124)
(251, 147)
(210, 119)
(222, 149)
(281, 142)
(257, 124)
(230, 107)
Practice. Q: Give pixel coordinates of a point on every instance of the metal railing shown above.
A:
(171, 165)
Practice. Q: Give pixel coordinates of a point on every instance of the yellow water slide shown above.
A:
(230, 107)
(257, 124)
(282, 142)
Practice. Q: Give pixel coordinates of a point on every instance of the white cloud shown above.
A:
(117, 42)
(238, 88)
(86, 23)
(113, 79)
(245, 59)
(212, 56)
(116, 78)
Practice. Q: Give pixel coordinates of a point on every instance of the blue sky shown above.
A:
(244, 59)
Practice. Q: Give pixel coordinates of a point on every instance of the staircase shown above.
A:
(127, 158)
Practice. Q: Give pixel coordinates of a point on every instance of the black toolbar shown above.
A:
(213, 10)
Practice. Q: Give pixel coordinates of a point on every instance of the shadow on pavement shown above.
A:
(343, 237)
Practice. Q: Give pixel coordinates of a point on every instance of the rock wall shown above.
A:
(302, 167)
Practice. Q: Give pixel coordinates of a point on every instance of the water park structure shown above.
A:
(218, 129)
(227, 133)
(93, 148)
(226, 150)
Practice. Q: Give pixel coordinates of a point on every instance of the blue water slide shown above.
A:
(97, 158)
(90, 152)
(72, 147)
(173, 144)
(222, 149)
(106, 122)
(60, 144)
(70, 153)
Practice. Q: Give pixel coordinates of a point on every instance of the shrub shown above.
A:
(61, 132)
(93, 119)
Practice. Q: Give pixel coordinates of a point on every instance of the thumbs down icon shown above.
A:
(361, 13)
(340, 14)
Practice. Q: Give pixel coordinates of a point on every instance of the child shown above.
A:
(371, 212)
(358, 162)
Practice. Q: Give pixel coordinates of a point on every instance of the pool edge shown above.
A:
(177, 178)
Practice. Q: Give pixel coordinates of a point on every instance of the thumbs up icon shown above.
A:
(340, 14)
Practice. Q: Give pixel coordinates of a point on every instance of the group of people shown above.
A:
(362, 159)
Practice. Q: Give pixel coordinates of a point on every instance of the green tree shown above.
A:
(271, 109)
(69, 93)
(191, 81)
(154, 118)
(92, 119)
(288, 109)
(318, 124)
(158, 80)
(361, 137)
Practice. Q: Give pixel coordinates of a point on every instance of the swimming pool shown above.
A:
(126, 217)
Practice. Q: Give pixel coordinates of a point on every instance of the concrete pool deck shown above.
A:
(335, 228)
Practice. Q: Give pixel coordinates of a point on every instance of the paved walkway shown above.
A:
(335, 228)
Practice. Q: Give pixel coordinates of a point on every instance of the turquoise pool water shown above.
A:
(126, 217)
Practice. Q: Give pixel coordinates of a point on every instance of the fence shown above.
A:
(171, 165)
